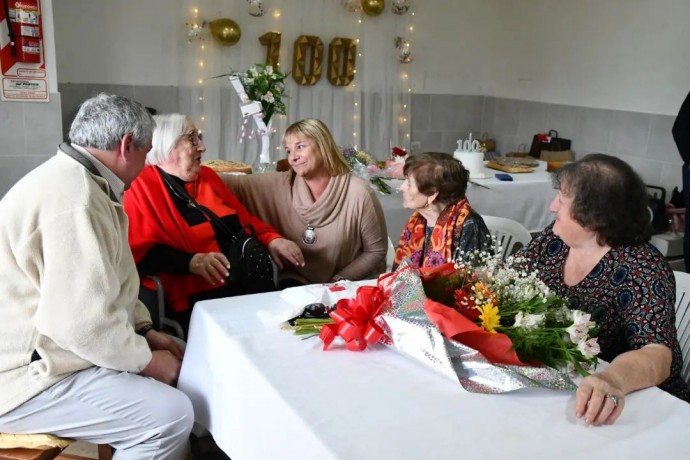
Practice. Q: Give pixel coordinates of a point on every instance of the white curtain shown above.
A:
(368, 113)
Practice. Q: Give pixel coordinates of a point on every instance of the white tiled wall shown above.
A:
(30, 133)
(643, 140)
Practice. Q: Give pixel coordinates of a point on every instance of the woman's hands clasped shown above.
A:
(285, 251)
(212, 266)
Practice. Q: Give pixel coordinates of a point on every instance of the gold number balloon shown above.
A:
(226, 31)
(373, 7)
(303, 45)
(341, 61)
(271, 40)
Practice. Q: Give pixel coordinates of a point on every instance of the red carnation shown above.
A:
(466, 305)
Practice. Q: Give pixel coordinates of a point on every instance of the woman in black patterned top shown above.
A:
(597, 254)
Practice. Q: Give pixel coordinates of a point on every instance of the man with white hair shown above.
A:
(78, 355)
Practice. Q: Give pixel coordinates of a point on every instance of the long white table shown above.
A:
(266, 394)
(526, 200)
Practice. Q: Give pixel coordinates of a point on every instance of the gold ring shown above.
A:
(613, 398)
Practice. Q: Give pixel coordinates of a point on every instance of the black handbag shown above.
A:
(251, 266)
(550, 142)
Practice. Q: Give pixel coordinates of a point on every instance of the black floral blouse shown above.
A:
(630, 294)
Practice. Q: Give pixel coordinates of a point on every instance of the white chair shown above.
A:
(510, 234)
(683, 319)
(390, 255)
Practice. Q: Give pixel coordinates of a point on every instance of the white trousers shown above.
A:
(138, 416)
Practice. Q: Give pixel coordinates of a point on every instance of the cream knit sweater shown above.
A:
(68, 283)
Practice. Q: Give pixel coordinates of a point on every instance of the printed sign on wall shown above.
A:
(22, 62)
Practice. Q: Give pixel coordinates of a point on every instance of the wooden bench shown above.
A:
(105, 452)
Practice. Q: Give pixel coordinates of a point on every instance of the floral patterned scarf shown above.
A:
(439, 247)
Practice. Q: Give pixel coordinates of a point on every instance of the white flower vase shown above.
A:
(265, 152)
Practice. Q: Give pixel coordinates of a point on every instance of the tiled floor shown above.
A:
(81, 449)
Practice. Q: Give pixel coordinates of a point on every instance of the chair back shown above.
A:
(390, 255)
(155, 303)
(683, 319)
(511, 235)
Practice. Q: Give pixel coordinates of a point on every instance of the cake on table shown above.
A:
(226, 166)
(471, 155)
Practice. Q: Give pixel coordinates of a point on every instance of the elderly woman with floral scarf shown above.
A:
(443, 221)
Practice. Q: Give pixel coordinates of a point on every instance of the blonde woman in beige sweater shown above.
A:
(334, 217)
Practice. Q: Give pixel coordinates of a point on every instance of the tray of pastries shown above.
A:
(226, 166)
(513, 165)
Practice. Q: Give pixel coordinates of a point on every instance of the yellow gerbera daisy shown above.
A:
(490, 317)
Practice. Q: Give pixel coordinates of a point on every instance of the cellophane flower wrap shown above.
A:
(490, 325)
(363, 165)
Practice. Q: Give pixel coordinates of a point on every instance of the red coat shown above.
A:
(154, 219)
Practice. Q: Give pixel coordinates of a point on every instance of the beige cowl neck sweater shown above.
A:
(351, 236)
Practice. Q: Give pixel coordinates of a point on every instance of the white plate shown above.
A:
(481, 176)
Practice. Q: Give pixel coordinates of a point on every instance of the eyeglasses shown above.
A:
(194, 137)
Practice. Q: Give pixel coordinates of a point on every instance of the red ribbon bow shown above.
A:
(354, 320)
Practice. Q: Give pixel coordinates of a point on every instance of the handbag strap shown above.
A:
(181, 193)
(555, 133)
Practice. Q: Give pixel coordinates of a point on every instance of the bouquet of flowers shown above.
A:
(266, 85)
(365, 166)
(491, 325)
(505, 297)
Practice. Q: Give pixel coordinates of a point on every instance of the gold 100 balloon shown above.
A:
(307, 57)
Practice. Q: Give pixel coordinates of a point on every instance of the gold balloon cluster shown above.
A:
(226, 31)
(373, 7)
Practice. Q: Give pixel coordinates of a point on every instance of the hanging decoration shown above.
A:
(403, 47)
(307, 46)
(195, 30)
(226, 31)
(373, 7)
(271, 40)
(401, 6)
(352, 6)
(256, 8)
(341, 61)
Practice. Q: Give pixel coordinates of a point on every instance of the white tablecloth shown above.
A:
(266, 394)
(526, 200)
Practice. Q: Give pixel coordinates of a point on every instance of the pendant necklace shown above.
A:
(309, 235)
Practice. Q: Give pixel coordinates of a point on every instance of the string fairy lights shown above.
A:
(403, 44)
(195, 38)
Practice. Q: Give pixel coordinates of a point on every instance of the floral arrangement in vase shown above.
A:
(266, 85)
(398, 154)
(261, 89)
